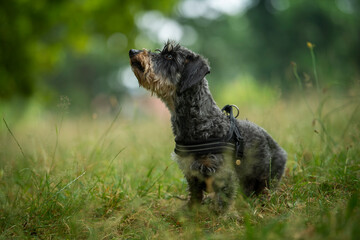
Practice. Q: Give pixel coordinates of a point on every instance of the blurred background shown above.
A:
(77, 50)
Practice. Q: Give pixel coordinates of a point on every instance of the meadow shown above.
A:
(71, 176)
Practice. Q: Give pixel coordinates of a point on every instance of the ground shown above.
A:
(111, 177)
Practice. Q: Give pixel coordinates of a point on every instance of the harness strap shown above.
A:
(205, 148)
(233, 141)
(234, 132)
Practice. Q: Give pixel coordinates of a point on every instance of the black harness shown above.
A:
(233, 141)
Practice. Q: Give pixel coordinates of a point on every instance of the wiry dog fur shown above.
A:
(177, 76)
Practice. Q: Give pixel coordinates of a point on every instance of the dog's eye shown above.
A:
(168, 56)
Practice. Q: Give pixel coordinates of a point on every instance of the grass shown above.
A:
(67, 177)
(80, 177)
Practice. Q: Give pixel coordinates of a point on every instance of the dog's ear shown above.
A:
(195, 70)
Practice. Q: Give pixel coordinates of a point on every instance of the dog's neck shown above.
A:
(196, 117)
(169, 103)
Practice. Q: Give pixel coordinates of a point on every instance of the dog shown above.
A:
(215, 151)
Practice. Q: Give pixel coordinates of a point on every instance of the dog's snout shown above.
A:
(133, 52)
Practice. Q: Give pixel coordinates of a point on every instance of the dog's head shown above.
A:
(172, 69)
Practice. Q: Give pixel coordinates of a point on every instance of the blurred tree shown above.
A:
(36, 35)
(281, 36)
(78, 46)
(264, 40)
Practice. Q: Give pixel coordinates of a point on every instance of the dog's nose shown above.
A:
(133, 52)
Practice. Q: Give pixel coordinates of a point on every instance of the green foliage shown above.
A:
(76, 47)
(264, 40)
(36, 36)
(245, 90)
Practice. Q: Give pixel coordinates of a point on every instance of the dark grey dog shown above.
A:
(177, 76)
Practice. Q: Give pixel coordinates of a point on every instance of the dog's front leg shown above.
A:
(224, 188)
(196, 188)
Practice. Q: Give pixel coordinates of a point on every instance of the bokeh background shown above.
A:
(79, 49)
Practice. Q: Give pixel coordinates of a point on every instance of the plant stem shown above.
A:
(22, 152)
(314, 68)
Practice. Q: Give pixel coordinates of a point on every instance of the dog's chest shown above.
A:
(185, 164)
(203, 167)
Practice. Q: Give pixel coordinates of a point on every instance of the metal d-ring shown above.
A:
(238, 111)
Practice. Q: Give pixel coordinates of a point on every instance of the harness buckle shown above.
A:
(228, 109)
